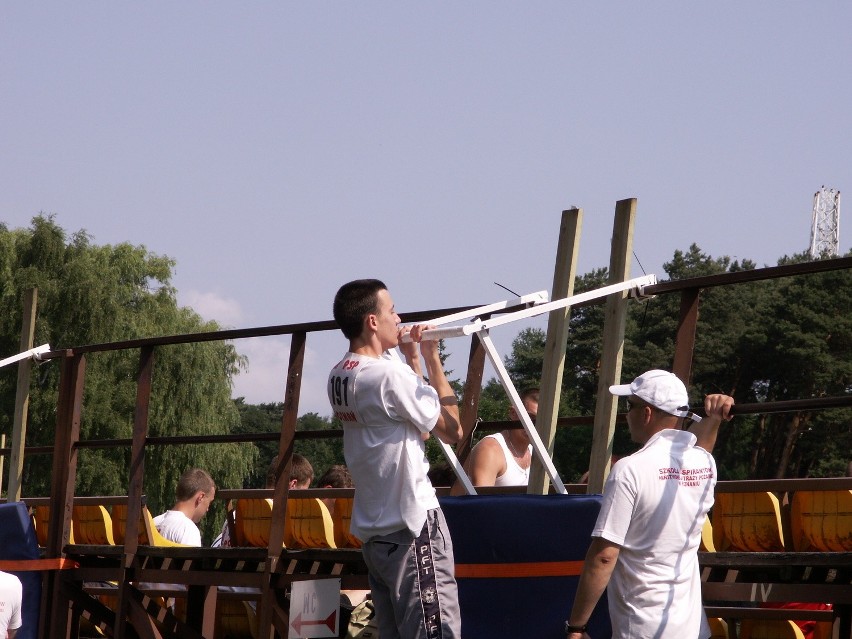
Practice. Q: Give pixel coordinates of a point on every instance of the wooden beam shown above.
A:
(615, 318)
(557, 336)
(22, 397)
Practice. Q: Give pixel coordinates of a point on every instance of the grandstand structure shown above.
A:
(114, 584)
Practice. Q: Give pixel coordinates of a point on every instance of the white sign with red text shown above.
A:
(314, 608)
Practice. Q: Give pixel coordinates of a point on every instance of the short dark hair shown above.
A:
(193, 481)
(531, 392)
(337, 476)
(300, 470)
(354, 301)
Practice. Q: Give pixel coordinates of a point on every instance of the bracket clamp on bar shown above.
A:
(35, 353)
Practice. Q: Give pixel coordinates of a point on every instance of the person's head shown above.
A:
(364, 308)
(656, 400)
(195, 492)
(336, 476)
(529, 398)
(301, 472)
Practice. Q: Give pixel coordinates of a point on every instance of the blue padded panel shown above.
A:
(18, 541)
(521, 528)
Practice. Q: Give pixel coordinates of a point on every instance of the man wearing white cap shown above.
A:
(644, 544)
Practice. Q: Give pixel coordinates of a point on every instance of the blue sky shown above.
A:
(277, 150)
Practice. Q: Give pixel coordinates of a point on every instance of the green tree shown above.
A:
(93, 294)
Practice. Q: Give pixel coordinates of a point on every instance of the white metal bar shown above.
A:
(539, 309)
(538, 446)
(33, 352)
(539, 297)
(457, 467)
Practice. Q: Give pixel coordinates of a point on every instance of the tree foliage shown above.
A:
(93, 294)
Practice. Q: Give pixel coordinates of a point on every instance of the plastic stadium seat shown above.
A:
(92, 525)
(707, 544)
(41, 518)
(821, 520)
(311, 523)
(769, 629)
(234, 620)
(747, 522)
(718, 628)
(253, 522)
(119, 526)
(342, 518)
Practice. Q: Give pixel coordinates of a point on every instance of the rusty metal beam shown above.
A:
(470, 397)
(55, 609)
(134, 490)
(685, 337)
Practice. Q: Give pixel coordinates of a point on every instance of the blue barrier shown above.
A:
(497, 538)
(18, 542)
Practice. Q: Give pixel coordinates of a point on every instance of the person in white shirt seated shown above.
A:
(194, 494)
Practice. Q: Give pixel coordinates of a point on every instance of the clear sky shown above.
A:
(279, 149)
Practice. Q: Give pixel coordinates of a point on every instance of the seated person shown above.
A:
(301, 476)
(336, 476)
(193, 495)
(503, 459)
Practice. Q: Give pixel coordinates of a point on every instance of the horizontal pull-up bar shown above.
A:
(637, 284)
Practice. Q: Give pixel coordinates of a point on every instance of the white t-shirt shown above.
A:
(177, 527)
(11, 593)
(654, 505)
(385, 407)
(515, 475)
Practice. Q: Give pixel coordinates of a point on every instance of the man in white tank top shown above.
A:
(503, 459)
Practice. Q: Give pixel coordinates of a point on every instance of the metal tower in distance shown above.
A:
(825, 227)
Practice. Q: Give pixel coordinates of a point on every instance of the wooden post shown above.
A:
(268, 609)
(557, 337)
(615, 318)
(22, 397)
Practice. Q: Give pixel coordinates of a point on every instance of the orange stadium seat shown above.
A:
(821, 520)
(747, 522)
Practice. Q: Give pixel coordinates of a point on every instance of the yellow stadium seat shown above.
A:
(706, 544)
(342, 518)
(92, 525)
(234, 620)
(311, 523)
(41, 518)
(769, 629)
(253, 523)
(747, 522)
(718, 628)
(148, 534)
(821, 520)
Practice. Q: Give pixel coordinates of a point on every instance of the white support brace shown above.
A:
(33, 352)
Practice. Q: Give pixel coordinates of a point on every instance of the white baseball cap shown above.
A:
(661, 389)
